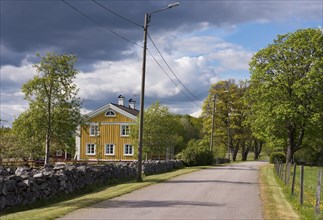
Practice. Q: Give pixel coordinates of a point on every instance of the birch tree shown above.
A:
(54, 108)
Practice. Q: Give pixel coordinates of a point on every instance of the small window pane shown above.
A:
(109, 149)
(94, 130)
(90, 149)
(124, 130)
(128, 149)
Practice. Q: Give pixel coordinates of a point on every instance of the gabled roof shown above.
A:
(132, 111)
(128, 112)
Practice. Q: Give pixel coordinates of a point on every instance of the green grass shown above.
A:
(89, 196)
(306, 210)
(275, 204)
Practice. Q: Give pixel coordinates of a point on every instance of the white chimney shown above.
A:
(121, 100)
(132, 104)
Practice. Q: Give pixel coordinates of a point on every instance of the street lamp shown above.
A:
(142, 94)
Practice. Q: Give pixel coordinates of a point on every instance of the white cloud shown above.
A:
(196, 60)
(17, 75)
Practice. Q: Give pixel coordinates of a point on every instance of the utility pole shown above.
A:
(212, 132)
(228, 138)
(142, 94)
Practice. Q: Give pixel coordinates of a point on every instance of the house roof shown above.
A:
(129, 112)
(134, 112)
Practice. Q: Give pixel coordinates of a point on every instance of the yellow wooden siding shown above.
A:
(109, 134)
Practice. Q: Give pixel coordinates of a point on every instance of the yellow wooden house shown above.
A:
(105, 134)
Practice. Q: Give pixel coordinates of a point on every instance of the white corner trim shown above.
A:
(78, 144)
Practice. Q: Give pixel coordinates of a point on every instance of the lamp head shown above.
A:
(173, 5)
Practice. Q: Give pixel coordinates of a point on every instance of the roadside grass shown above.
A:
(60, 206)
(306, 211)
(275, 203)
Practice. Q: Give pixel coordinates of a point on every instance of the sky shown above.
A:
(190, 47)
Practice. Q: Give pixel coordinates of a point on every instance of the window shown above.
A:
(128, 150)
(109, 149)
(90, 149)
(94, 130)
(110, 113)
(124, 130)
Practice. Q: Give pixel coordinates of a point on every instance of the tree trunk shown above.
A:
(257, 149)
(244, 151)
(244, 154)
(235, 152)
(291, 142)
(47, 150)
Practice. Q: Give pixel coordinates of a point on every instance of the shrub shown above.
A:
(279, 157)
(197, 155)
(310, 156)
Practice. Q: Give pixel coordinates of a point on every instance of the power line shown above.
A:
(102, 26)
(161, 67)
(172, 70)
(120, 16)
(124, 38)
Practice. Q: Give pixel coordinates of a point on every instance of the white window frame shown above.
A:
(124, 130)
(113, 149)
(89, 152)
(126, 151)
(112, 115)
(94, 130)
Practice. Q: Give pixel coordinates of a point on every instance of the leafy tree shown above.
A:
(7, 143)
(54, 108)
(29, 131)
(190, 128)
(231, 132)
(286, 90)
(160, 134)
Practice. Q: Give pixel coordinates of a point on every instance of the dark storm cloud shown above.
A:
(34, 26)
(28, 27)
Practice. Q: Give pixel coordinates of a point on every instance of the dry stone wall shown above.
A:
(25, 185)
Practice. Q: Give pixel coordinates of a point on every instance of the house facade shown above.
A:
(105, 134)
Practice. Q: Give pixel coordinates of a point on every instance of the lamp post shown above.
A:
(142, 94)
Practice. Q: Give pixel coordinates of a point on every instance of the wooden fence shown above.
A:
(287, 173)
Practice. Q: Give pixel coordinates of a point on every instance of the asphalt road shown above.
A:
(226, 192)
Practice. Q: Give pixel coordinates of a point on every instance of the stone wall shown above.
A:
(160, 166)
(24, 185)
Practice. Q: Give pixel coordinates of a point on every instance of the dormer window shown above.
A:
(110, 113)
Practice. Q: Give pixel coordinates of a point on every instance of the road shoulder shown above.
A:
(275, 204)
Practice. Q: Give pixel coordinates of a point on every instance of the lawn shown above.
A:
(310, 184)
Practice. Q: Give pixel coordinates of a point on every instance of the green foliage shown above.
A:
(160, 134)
(309, 155)
(229, 119)
(54, 108)
(9, 147)
(196, 154)
(190, 128)
(286, 90)
(277, 157)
